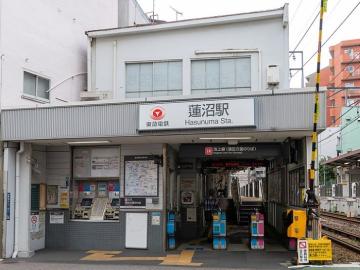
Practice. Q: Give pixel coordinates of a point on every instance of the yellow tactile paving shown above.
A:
(184, 258)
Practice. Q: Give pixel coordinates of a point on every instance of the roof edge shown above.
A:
(190, 23)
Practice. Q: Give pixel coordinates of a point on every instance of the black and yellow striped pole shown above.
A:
(312, 202)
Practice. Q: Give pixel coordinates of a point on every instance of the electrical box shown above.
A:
(297, 223)
(273, 75)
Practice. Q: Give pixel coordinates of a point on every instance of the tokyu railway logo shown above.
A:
(197, 114)
(157, 113)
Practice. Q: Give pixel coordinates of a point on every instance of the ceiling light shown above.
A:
(88, 142)
(346, 163)
(227, 138)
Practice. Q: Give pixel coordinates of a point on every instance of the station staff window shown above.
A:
(152, 79)
(95, 185)
(224, 75)
(36, 86)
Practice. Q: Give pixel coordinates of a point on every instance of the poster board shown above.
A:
(141, 176)
(96, 162)
(136, 230)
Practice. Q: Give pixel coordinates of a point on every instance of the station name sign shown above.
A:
(200, 114)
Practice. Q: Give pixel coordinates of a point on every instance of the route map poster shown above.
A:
(141, 176)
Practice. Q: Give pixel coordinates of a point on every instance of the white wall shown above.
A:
(269, 36)
(327, 143)
(48, 38)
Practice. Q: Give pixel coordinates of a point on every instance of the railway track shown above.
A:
(342, 235)
(341, 217)
(341, 240)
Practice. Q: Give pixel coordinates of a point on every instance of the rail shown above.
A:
(340, 217)
(341, 241)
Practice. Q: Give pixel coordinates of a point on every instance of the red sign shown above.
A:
(33, 219)
(157, 113)
(209, 151)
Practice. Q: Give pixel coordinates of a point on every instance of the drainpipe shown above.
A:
(17, 193)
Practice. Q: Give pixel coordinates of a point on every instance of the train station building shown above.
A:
(189, 107)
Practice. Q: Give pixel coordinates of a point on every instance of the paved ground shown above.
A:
(101, 260)
(68, 260)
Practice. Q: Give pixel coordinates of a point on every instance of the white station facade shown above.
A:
(184, 96)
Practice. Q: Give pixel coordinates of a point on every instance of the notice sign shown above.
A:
(132, 202)
(320, 250)
(56, 217)
(303, 251)
(34, 223)
(200, 114)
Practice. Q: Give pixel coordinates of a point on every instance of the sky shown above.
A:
(302, 12)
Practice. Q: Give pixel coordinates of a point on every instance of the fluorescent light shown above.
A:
(227, 138)
(89, 142)
(346, 163)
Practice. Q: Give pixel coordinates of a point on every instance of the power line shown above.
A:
(352, 104)
(332, 34)
(355, 58)
(303, 36)
(297, 9)
(337, 92)
(358, 117)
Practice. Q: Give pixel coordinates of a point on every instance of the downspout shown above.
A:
(17, 193)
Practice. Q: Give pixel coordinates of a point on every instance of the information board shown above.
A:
(141, 176)
(320, 250)
(96, 162)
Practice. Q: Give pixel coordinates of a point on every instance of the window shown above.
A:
(349, 52)
(332, 103)
(36, 86)
(153, 79)
(350, 69)
(221, 75)
(349, 84)
(333, 120)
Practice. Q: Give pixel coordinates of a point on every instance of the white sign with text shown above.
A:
(198, 114)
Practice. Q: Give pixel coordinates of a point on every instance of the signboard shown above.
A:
(56, 217)
(34, 223)
(141, 176)
(320, 250)
(155, 218)
(198, 114)
(64, 198)
(226, 150)
(303, 251)
(132, 202)
(96, 162)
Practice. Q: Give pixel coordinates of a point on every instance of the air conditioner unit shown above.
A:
(95, 95)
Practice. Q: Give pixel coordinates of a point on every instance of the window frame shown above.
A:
(35, 97)
(255, 77)
(153, 62)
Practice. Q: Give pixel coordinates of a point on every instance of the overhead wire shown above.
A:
(336, 92)
(303, 36)
(331, 35)
(296, 10)
(356, 118)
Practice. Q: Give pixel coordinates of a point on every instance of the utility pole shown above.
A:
(311, 202)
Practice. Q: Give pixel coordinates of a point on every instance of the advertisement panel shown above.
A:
(198, 114)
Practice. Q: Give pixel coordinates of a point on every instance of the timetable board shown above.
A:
(96, 162)
(141, 176)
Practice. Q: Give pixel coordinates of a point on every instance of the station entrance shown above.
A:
(222, 195)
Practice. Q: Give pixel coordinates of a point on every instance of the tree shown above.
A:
(327, 172)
